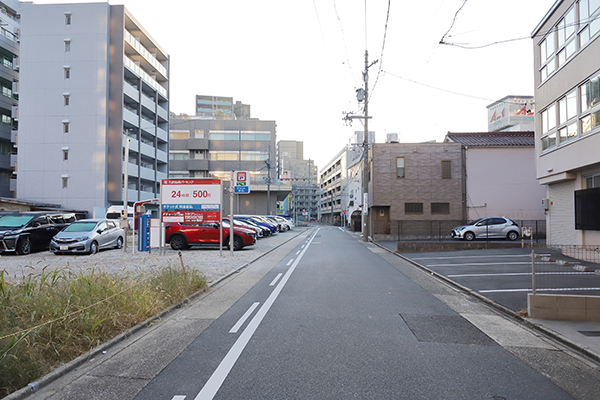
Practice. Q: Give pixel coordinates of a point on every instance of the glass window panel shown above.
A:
(583, 10)
(552, 117)
(400, 167)
(446, 169)
(561, 32)
(544, 121)
(584, 36)
(440, 208)
(594, 5)
(544, 73)
(572, 130)
(562, 135)
(562, 111)
(562, 57)
(550, 43)
(572, 105)
(413, 208)
(570, 22)
(589, 122)
(570, 48)
(543, 53)
(595, 26)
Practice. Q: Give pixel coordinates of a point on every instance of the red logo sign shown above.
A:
(241, 176)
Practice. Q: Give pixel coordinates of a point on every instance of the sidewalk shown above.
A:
(580, 335)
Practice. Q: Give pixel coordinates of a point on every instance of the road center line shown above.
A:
(244, 317)
(289, 262)
(214, 383)
(298, 252)
(178, 398)
(276, 279)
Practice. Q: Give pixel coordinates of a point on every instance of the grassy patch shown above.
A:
(50, 319)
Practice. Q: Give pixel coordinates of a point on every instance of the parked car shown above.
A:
(265, 230)
(257, 221)
(238, 223)
(181, 235)
(24, 232)
(494, 227)
(88, 236)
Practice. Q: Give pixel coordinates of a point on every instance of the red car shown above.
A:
(181, 235)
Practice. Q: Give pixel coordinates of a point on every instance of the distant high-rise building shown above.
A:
(92, 81)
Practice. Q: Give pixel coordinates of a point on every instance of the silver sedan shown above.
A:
(88, 236)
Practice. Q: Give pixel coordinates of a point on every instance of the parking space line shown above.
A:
(463, 257)
(538, 290)
(518, 274)
(478, 264)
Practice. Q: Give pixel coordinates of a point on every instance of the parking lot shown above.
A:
(505, 275)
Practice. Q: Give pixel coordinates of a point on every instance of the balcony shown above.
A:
(162, 156)
(147, 173)
(131, 91)
(162, 134)
(147, 150)
(131, 117)
(148, 103)
(162, 113)
(148, 126)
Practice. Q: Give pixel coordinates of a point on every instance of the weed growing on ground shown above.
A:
(50, 319)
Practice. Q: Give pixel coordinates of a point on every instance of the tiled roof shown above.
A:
(492, 139)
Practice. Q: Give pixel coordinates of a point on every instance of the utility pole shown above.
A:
(362, 94)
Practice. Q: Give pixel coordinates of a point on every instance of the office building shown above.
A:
(92, 81)
(566, 44)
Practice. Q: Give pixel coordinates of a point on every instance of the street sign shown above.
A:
(242, 182)
(188, 200)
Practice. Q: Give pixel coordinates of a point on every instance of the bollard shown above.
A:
(181, 260)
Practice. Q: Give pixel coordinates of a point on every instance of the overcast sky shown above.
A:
(299, 62)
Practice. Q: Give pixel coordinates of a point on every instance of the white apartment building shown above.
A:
(91, 78)
(566, 45)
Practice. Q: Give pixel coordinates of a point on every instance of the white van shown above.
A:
(114, 212)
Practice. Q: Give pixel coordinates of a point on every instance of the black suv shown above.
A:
(23, 232)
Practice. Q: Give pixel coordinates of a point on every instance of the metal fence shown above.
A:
(566, 269)
(439, 230)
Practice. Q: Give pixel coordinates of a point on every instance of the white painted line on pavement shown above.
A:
(178, 398)
(276, 279)
(476, 264)
(461, 257)
(246, 315)
(214, 383)
(298, 252)
(303, 245)
(538, 290)
(519, 274)
(289, 262)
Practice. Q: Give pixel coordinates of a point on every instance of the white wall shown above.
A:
(42, 110)
(502, 182)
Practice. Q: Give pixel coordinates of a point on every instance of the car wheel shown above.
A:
(24, 246)
(178, 242)
(512, 235)
(238, 243)
(93, 248)
(120, 243)
(469, 236)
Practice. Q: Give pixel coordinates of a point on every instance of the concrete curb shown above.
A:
(506, 311)
(33, 387)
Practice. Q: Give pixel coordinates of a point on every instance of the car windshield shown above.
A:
(80, 227)
(15, 221)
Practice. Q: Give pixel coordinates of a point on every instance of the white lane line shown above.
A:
(244, 317)
(214, 383)
(519, 274)
(298, 252)
(289, 262)
(477, 264)
(462, 257)
(303, 245)
(537, 290)
(178, 398)
(276, 279)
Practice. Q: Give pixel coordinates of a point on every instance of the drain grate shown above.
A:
(590, 333)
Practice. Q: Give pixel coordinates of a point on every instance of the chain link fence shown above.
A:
(439, 230)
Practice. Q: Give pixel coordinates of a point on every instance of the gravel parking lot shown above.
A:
(206, 260)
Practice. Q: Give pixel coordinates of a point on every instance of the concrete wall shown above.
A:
(563, 307)
(502, 181)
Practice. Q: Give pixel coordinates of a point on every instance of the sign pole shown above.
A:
(231, 234)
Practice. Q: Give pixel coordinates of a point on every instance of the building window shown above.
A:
(65, 155)
(184, 155)
(65, 127)
(67, 45)
(400, 167)
(65, 182)
(590, 93)
(592, 181)
(440, 208)
(67, 19)
(66, 97)
(413, 208)
(67, 73)
(446, 169)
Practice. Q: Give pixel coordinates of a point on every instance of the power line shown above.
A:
(344, 42)
(387, 18)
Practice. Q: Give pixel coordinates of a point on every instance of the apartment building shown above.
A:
(213, 148)
(335, 186)
(415, 182)
(93, 82)
(9, 80)
(566, 44)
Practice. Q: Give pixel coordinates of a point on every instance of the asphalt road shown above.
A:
(341, 322)
(326, 316)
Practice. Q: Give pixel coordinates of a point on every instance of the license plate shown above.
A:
(63, 248)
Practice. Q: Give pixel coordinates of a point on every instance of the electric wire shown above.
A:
(387, 18)
(344, 42)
